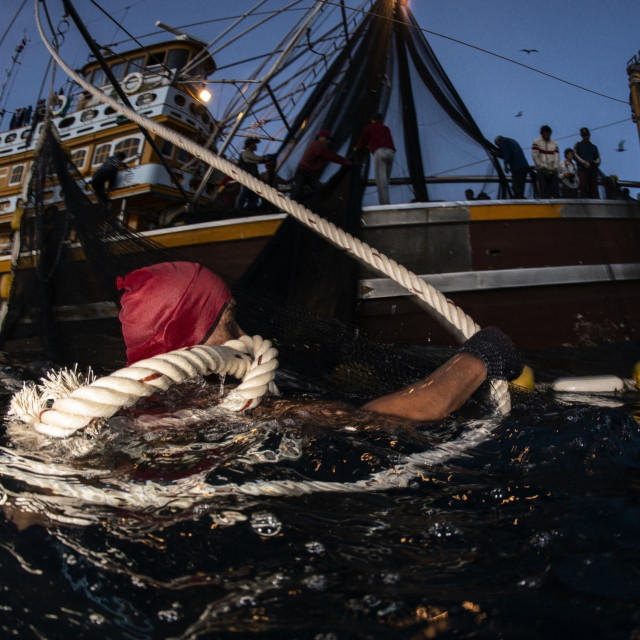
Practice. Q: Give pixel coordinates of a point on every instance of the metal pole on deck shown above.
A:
(633, 69)
(258, 90)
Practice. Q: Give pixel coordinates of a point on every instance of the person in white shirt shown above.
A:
(546, 158)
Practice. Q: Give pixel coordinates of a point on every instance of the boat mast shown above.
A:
(633, 69)
(251, 100)
(122, 95)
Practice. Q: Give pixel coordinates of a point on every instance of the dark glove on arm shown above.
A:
(496, 351)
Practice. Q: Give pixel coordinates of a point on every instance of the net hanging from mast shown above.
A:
(356, 85)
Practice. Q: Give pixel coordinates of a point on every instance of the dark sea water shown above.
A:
(170, 523)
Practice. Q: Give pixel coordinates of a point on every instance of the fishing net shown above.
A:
(321, 354)
(387, 67)
(301, 291)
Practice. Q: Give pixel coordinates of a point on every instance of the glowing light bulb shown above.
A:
(204, 95)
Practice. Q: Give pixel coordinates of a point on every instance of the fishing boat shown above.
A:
(549, 272)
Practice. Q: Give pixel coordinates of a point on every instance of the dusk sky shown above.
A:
(584, 42)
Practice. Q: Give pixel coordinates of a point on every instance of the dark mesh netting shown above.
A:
(300, 292)
(387, 67)
(53, 275)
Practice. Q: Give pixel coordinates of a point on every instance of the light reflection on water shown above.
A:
(138, 529)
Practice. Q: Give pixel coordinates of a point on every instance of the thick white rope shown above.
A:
(340, 238)
(251, 359)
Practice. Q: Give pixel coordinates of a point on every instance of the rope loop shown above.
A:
(76, 404)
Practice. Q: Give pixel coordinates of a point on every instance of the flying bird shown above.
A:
(620, 146)
(518, 115)
(528, 51)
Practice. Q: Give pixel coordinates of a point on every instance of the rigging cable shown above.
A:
(491, 53)
(143, 47)
(434, 33)
(15, 17)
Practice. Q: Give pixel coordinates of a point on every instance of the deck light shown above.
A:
(204, 95)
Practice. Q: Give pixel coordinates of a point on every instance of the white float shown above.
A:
(589, 384)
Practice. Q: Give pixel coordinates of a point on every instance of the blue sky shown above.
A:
(585, 42)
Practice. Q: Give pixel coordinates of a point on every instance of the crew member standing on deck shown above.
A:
(313, 162)
(106, 173)
(588, 159)
(546, 157)
(249, 161)
(377, 136)
(515, 162)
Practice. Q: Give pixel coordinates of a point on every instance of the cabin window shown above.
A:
(177, 58)
(129, 146)
(156, 58)
(88, 115)
(136, 65)
(184, 156)
(98, 78)
(101, 153)
(79, 157)
(66, 122)
(145, 98)
(166, 149)
(118, 69)
(180, 100)
(16, 174)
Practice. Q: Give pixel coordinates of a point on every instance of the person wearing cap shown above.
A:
(105, 176)
(172, 305)
(546, 158)
(588, 159)
(313, 162)
(515, 162)
(377, 136)
(249, 161)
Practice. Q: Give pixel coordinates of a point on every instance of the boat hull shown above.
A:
(548, 273)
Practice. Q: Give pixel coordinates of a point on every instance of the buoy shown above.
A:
(61, 107)
(5, 285)
(132, 82)
(635, 374)
(526, 380)
(589, 384)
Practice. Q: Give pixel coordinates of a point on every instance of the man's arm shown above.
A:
(535, 155)
(435, 397)
(329, 155)
(488, 353)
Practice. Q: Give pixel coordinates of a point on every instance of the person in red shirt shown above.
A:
(377, 136)
(313, 162)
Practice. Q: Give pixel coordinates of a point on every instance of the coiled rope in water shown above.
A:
(251, 359)
(452, 314)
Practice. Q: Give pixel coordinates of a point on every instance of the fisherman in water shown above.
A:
(172, 305)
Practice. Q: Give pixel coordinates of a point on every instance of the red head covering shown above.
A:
(168, 306)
